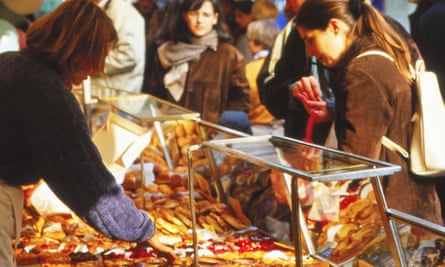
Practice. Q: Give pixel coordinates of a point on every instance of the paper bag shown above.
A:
(46, 202)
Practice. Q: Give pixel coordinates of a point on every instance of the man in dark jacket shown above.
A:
(427, 28)
(286, 64)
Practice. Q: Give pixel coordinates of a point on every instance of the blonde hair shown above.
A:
(76, 36)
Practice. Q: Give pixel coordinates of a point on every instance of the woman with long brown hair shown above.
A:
(369, 63)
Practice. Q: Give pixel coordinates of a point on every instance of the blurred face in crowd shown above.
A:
(200, 22)
(242, 19)
(292, 7)
(336, 35)
(254, 47)
(146, 6)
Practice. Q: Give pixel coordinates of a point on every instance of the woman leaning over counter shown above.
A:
(44, 133)
(372, 92)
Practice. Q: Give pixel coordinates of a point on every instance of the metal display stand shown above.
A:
(332, 165)
(223, 132)
(266, 151)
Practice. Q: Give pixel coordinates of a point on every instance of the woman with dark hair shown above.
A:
(45, 134)
(197, 67)
(373, 92)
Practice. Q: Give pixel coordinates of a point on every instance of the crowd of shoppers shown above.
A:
(261, 35)
(185, 52)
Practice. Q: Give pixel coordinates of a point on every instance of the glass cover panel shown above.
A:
(304, 159)
(143, 107)
(422, 244)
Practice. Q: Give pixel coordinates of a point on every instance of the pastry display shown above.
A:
(251, 228)
(352, 230)
(61, 240)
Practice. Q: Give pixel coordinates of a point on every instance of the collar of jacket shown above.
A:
(358, 46)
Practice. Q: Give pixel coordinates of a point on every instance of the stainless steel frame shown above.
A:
(264, 151)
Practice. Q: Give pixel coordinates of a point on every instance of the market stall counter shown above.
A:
(211, 193)
(346, 210)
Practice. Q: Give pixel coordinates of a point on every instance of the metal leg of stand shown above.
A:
(296, 219)
(142, 181)
(213, 168)
(192, 202)
(164, 147)
(389, 224)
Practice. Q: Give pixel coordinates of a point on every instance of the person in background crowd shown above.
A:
(291, 8)
(260, 34)
(372, 93)
(13, 22)
(45, 134)
(48, 6)
(286, 64)
(242, 16)
(427, 25)
(124, 66)
(9, 37)
(379, 4)
(427, 29)
(264, 9)
(161, 18)
(246, 11)
(159, 21)
(196, 66)
(17, 12)
(281, 17)
(146, 9)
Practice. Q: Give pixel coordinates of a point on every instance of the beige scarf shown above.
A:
(176, 57)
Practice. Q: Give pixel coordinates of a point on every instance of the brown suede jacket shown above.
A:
(372, 100)
(215, 83)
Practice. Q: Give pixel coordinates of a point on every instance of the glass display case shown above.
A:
(240, 167)
(254, 160)
(145, 110)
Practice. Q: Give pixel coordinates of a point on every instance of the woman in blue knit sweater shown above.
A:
(44, 133)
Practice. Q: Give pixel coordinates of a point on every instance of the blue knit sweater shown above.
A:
(44, 135)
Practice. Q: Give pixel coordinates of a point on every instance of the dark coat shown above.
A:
(286, 64)
(45, 135)
(215, 83)
(372, 100)
(427, 28)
